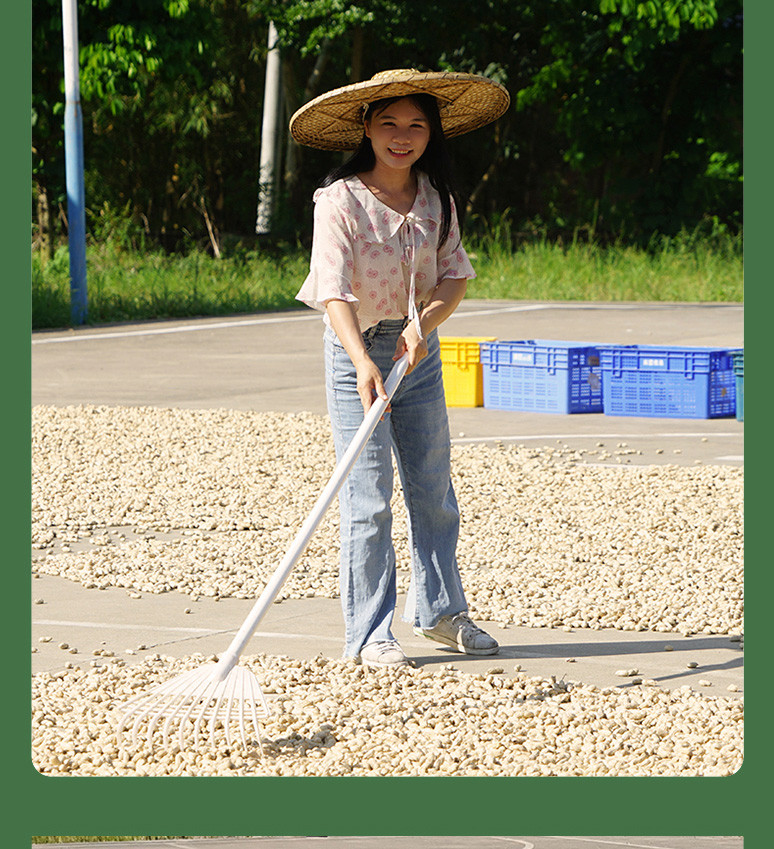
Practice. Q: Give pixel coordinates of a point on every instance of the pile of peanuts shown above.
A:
(207, 502)
(213, 499)
(331, 717)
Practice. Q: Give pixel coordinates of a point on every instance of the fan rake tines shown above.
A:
(202, 697)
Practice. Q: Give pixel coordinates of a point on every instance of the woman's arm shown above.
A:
(444, 299)
(343, 318)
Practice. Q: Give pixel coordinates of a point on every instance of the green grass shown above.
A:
(112, 839)
(129, 285)
(680, 270)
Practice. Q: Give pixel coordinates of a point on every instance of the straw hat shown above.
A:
(334, 120)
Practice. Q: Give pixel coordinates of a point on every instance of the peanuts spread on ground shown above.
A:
(207, 502)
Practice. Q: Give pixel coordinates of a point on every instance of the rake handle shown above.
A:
(229, 658)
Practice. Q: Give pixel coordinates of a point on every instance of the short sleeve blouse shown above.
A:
(368, 254)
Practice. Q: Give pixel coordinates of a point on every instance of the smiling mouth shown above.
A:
(398, 152)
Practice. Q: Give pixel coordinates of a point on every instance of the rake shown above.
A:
(222, 693)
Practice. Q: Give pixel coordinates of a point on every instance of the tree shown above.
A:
(625, 116)
(166, 90)
(647, 98)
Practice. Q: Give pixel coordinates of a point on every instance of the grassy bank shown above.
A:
(130, 285)
(112, 839)
(134, 286)
(671, 271)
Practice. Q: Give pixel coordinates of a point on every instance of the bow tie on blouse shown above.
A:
(408, 235)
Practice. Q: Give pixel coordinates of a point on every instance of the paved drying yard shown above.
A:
(550, 538)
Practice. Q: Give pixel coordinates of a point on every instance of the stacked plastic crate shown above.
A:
(553, 376)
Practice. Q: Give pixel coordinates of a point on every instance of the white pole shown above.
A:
(272, 106)
(73, 130)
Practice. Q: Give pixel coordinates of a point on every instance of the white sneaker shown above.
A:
(459, 632)
(383, 653)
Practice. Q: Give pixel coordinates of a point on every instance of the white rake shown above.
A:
(222, 693)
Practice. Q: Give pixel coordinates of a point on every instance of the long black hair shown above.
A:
(435, 161)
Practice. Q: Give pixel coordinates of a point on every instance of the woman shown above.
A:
(387, 268)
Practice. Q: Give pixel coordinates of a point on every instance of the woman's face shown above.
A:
(399, 134)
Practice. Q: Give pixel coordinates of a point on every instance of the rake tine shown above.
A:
(133, 706)
(181, 726)
(122, 724)
(214, 714)
(202, 696)
(245, 702)
(227, 720)
(256, 723)
(141, 713)
(143, 710)
(205, 698)
(123, 727)
(172, 715)
(171, 710)
(250, 696)
(197, 695)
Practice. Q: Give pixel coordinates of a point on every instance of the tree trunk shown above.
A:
(290, 89)
(658, 155)
(490, 172)
(292, 155)
(356, 69)
(44, 225)
(486, 177)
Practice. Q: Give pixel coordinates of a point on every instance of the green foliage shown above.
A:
(647, 100)
(306, 25)
(700, 14)
(626, 115)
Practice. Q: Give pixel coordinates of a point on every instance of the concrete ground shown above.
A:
(273, 362)
(430, 843)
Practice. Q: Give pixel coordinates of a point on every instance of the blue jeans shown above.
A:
(417, 431)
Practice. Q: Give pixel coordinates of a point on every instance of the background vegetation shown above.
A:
(112, 839)
(625, 130)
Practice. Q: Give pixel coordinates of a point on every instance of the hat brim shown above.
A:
(334, 120)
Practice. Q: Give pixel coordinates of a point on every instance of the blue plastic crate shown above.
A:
(542, 375)
(668, 382)
(738, 357)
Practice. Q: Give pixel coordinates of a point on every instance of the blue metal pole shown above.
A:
(73, 128)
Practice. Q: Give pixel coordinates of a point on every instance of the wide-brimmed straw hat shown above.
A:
(334, 120)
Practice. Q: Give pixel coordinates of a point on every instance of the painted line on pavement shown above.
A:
(498, 310)
(184, 328)
(461, 312)
(315, 316)
(597, 842)
(665, 435)
(117, 626)
(176, 630)
(228, 325)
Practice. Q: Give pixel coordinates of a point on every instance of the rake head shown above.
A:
(198, 698)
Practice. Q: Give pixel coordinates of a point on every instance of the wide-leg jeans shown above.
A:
(416, 432)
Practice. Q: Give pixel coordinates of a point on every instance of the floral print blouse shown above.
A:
(385, 263)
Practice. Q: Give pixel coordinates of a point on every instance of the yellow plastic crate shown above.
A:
(463, 378)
